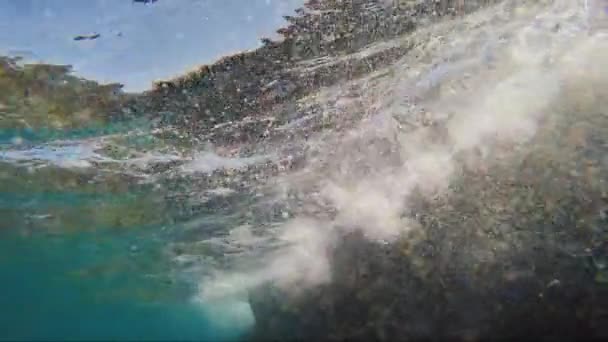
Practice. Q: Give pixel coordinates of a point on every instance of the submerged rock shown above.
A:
(513, 249)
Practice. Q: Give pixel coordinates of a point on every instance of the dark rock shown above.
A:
(454, 280)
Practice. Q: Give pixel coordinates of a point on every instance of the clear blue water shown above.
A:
(94, 282)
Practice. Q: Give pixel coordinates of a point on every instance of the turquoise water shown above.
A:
(46, 297)
(45, 134)
(82, 264)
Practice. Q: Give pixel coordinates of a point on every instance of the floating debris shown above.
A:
(553, 283)
(87, 37)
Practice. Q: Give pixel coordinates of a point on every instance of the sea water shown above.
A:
(77, 265)
(94, 285)
(45, 296)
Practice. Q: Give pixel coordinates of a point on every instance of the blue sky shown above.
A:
(157, 41)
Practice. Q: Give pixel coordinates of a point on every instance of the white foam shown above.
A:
(62, 154)
(207, 162)
(490, 78)
(229, 314)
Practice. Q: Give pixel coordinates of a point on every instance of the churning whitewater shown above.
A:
(444, 157)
